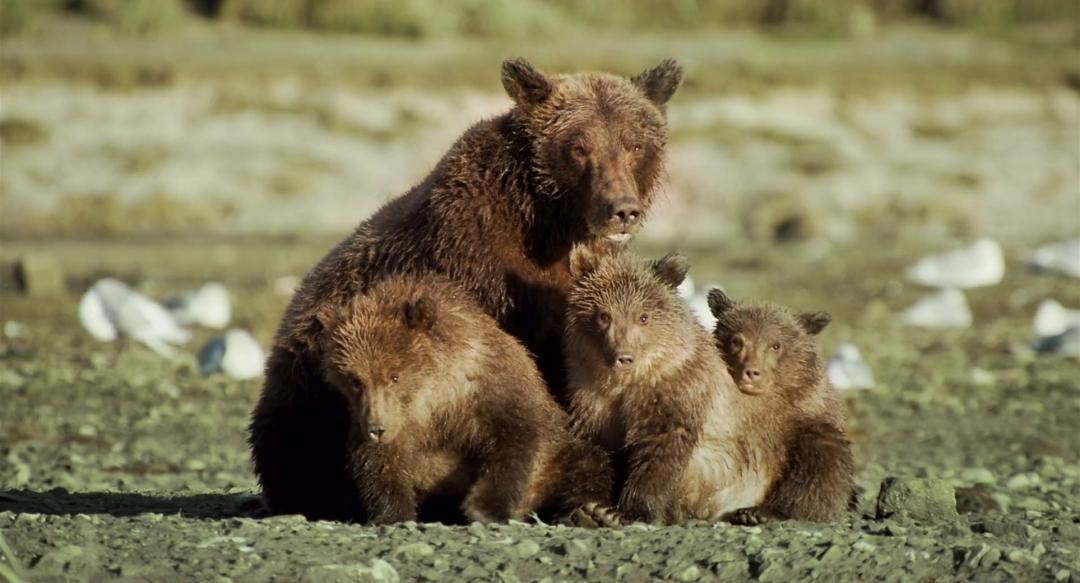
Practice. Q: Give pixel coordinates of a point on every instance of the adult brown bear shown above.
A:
(578, 158)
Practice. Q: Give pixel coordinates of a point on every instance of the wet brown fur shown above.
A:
(664, 417)
(792, 415)
(446, 407)
(498, 216)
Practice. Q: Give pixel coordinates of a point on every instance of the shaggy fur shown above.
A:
(648, 385)
(446, 407)
(792, 410)
(578, 158)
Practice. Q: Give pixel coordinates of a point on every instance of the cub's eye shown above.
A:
(644, 319)
(603, 318)
(637, 148)
(775, 347)
(736, 342)
(394, 378)
(579, 151)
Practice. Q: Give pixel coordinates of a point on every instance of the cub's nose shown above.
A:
(624, 359)
(626, 211)
(752, 374)
(376, 432)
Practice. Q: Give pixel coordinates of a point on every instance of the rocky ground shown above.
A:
(118, 463)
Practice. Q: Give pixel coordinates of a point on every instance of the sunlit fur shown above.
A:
(792, 413)
(447, 407)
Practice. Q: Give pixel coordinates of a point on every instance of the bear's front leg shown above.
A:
(507, 466)
(384, 489)
(656, 463)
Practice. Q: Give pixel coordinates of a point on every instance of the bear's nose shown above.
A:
(624, 359)
(626, 211)
(752, 374)
(376, 432)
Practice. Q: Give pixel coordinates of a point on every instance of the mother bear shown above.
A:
(579, 157)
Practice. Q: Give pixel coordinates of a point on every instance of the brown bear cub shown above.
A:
(647, 384)
(793, 412)
(578, 158)
(446, 407)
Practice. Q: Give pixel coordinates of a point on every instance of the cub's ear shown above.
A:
(583, 260)
(672, 268)
(329, 315)
(421, 314)
(660, 82)
(525, 84)
(719, 302)
(814, 322)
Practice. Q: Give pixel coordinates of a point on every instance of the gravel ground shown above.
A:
(118, 464)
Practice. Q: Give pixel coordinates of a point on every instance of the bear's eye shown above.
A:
(736, 342)
(775, 347)
(644, 319)
(603, 318)
(579, 151)
(394, 378)
(637, 148)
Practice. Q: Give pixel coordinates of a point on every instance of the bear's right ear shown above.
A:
(719, 302)
(328, 315)
(526, 85)
(672, 268)
(660, 82)
(421, 314)
(583, 261)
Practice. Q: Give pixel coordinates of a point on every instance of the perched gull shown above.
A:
(847, 370)
(111, 308)
(207, 306)
(1060, 257)
(978, 265)
(946, 308)
(1052, 318)
(235, 353)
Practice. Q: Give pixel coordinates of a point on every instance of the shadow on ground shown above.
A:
(61, 502)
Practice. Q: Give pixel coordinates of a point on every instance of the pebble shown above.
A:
(1022, 481)
(945, 309)
(236, 353)
(691, 573)
(526, 548)
(576, 548)
(111, 308)
(418, 549)
(1061, 257)
(920, 499)
(978, 265)
(863, 546)
(847, 370)
(977, 476)
(207, 306)
(377, 571)
(14, 329)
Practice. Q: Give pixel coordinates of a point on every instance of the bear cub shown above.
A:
(773, 358)
(447, 409)
(647, 384)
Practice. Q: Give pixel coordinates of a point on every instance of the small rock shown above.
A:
(1062, 575)
(1022, 481)
(976, 499)
(691, 573)
(977, 476)
(67, 559)
(418, 549)
(920, 499)
(576, 548)
(1061, 257)
(1066, 344)
(378, 571)
(13, 329)
(39, 275)
(526, 548)
(1033, 503)
(207, 306)
(236, 353)
(863, 546)
(847, 370)
(945, 309)
(981, 264)
(982, 377)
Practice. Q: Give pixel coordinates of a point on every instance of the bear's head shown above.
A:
(389, 353)
(596, 138)
(768, 349)
(623, 312)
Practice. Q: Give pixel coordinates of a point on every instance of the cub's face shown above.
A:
(598, 140)
(378, 354)
(623, 311)
(766, 349)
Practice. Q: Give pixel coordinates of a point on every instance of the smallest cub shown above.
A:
(448, 410)
(793, 413)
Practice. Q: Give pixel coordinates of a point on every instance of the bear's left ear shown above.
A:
(583, 260)
(660, 82)
(526, 85)
(328, 315)
(814, 322)
(421, 314)
(719, 302)
(672, 268)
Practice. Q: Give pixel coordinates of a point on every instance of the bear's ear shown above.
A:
(583, 260)
(328, 315)
(814, 322)
(660, 82)
(672, 268)
(526, 85)
(421, 314)
(719, 302)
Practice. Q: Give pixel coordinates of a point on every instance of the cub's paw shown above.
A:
(752, 516)
(593, 515)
